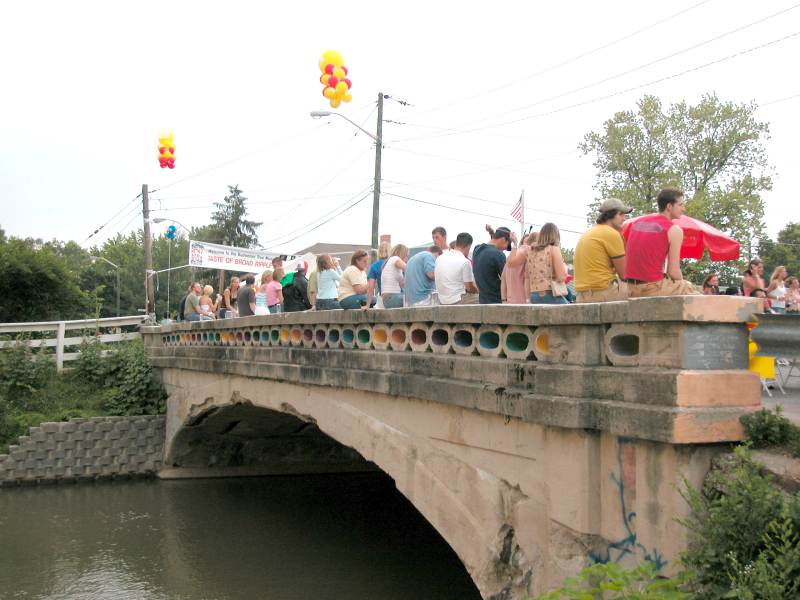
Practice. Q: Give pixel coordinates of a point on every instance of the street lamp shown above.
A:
(116, 267)
(169, 254)
(376, 188)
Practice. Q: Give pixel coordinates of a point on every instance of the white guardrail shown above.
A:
(61, 340)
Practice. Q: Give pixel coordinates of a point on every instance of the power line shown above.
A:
(471, 212)
(91, 235)
(339, 173)
(638, 68)
(364, 197)
(497, 202)
(276, 240)
(778, 100)
(624, 91)
(567, 61)
(238, 158)
(250, 203)
(477, 164)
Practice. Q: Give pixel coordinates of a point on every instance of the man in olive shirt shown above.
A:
(600, 257)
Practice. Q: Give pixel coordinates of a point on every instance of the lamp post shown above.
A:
(116, 268)
(376, 188)
(169, 254)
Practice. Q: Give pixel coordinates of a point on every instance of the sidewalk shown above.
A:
(791, 401)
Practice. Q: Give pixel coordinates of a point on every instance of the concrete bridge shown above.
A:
(535, 439)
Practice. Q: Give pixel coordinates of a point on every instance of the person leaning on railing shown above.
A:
(353, 284)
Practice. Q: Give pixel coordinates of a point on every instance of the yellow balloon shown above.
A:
(324, 79)
(328, 92)
(347, 97)
(339, 73)
(335, 102)
(330, 57)
(341, 87)
(165, 138)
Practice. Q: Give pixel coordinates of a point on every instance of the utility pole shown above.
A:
(376, 188)
(149, 295)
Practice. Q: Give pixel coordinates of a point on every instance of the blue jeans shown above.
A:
(779, 310)
(275, 309)
(356, 301)
(199, 317)
(393, 300)
(547, 298)
(328, 304)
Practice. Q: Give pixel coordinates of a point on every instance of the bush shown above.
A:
(134, 390)
(741, 531)
(766, 429)
(609, 581)
(90, 366)
(22, 373)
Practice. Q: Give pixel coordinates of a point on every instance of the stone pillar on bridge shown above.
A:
(535, 439)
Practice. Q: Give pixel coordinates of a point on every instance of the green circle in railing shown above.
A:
(517, 342)
(489, 340)
(364, 336)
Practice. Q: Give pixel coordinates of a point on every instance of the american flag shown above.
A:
(518, 212)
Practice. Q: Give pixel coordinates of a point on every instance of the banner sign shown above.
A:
(216, 256)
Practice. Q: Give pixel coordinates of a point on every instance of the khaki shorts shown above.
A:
(664, 287)
(468, 299)
(617, 290)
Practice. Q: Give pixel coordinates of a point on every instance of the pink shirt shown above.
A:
(512, 285)
(273, 287)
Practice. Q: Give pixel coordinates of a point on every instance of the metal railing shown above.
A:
(106, 331)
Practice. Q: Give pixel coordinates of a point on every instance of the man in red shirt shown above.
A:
(653, 241)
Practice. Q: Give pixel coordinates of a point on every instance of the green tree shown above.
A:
(713, 150)
(230, 225)
(38, 285)
(786, 251)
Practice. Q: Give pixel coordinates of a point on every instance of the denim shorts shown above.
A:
(328, 304)
(547, 298)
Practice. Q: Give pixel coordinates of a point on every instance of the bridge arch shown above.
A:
(249, 426)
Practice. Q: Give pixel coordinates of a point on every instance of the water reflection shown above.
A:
(281, 538)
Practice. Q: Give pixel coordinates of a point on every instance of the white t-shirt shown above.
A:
(391, 276)
(453, 270)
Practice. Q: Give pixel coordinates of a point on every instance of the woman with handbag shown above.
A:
(545, 267)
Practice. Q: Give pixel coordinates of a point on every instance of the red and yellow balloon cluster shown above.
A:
(334, 78)
(166, 150)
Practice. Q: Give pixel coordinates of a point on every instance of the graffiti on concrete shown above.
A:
(629, 544)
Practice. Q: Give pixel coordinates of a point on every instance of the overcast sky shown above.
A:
(88, 86)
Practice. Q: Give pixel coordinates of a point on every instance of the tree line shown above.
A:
(54, 280)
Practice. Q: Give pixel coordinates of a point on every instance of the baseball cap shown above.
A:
(614, 204)
(502, 232)
(302, 266)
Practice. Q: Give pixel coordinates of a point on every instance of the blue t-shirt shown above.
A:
(375, 273)
(418, 286)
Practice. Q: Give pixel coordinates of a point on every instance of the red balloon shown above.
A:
(329, 69)
(344, 69)
(332, 81)
(349, 83)
(161, 149)
(172, 148)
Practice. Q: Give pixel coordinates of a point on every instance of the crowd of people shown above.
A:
(609, 265)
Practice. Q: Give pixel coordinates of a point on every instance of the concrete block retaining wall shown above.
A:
(81, 449)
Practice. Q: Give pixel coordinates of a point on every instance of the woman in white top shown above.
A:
(777, 290)
(329, 275)
(393, 277)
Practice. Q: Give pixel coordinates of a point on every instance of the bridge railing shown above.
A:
(105, 331)
(666, 369)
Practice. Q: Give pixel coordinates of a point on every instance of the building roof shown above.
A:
(327, 248)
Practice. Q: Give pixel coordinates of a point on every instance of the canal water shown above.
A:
(331, 537)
